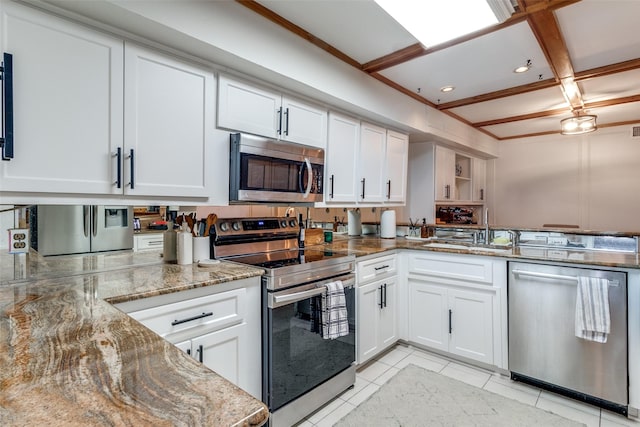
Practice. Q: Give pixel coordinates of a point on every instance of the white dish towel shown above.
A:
(593, 321)
(335, 321)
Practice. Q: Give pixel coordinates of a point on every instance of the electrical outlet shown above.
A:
(557, 241)
(18, 240)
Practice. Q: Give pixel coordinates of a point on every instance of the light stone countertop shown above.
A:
(69, 358)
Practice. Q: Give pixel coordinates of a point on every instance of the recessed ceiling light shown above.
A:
(447, 88)
(523, 68)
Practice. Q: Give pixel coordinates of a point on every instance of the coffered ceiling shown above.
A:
(584, 55)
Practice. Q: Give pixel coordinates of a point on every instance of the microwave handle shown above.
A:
(309, 177)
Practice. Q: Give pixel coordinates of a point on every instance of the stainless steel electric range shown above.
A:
(301, 369)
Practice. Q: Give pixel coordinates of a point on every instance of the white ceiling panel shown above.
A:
(481, 65)
(612, 86)
(600, 32)
(617, 113)
(360, 29)
(526, 103)
(544, 124)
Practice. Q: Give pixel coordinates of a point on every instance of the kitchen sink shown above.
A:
(440, 245)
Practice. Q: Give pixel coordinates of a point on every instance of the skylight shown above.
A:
(436, 21)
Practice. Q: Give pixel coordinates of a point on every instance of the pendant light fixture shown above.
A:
(578, 124)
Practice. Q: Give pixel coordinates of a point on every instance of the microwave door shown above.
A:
(111, 228)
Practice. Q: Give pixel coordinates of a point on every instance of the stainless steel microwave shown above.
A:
(263, 170)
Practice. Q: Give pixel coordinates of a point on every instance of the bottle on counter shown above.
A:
(169, 244)
(302, 233)
(184, 247)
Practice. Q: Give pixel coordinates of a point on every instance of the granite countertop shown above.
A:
(69, 358)
(369, 245)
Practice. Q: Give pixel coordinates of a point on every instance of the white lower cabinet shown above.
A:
(377, 324)
(224, 351)
(457, 305)
(217, 325)
(455, 320)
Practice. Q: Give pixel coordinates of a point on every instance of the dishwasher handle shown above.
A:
(555, 276)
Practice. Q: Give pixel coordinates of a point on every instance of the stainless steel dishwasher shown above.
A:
(543, 348)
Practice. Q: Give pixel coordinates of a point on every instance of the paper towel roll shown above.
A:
(354, 223)
(388, 224)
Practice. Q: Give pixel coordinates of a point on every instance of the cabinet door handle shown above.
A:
(200, 352)
(132, 170)
(362, 181)
(280, 121)
(7, 106)
(382, 267)
(381, 303)
(482, 194)
(385, 295)
(388, 189)
(118, 157)
(189, 351)
(447, 191)
(191, 319)
(450, 326)
(286, 122)
(331, 187)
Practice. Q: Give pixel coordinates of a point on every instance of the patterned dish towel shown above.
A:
(335, 322)
(593, 322)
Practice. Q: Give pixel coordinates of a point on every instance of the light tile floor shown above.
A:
(374, 374)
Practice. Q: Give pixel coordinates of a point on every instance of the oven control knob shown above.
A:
(236, 226)
(224, 226)
(283, 223)
(292, 223)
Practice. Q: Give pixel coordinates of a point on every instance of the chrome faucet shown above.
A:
(486, 226)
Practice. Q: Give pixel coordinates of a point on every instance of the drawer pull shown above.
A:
(382, 267)
(190, 319)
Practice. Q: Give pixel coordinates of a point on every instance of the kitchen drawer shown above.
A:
(376, 267)
(470, 268)
(195, 316)
(145, 242)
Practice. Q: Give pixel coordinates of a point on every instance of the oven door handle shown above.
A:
(298, 296)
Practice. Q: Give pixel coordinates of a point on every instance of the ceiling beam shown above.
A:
(301, 32)
(417, 50)
(557, 111)
(545, 27)
(518, 90)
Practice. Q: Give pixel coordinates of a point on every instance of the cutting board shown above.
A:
(313, 236)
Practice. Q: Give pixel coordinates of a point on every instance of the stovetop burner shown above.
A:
(284, 258)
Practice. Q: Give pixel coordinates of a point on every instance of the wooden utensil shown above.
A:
(211, 220)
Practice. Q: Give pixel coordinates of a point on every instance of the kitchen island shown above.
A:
(68, 357)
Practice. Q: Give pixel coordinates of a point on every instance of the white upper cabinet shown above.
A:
(479, 180)
(68, 104)
(371, 162)
(169, 123)
(303, 123)
(445, 167)
(397, 158)
(95, 118)
(342, 148)
(244, 107)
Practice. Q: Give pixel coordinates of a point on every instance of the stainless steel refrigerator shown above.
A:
(63, 230)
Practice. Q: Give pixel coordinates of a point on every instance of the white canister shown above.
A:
(200, 249)
(388, 224)
(354, 223)
(184, 247)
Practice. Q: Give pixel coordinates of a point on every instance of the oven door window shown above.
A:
(300, 359)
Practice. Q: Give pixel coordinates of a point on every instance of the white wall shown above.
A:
(591, 180)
